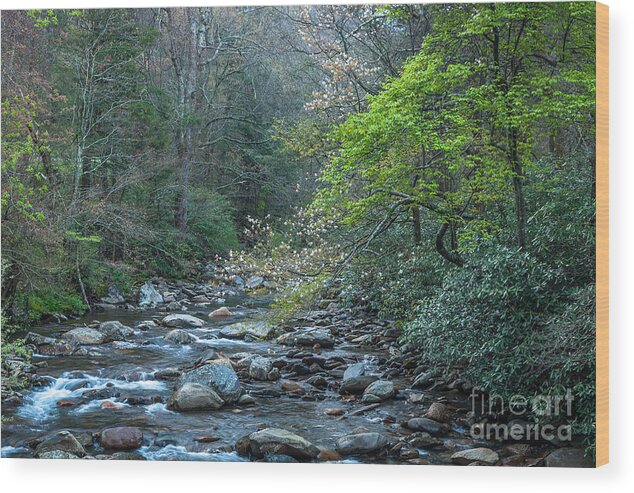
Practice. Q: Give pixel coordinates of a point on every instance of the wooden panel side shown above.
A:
(602, 260)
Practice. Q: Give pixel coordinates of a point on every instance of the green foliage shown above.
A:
(508, 322)
(211, 221)
(296, 299)
(394, 282)
(34, 305)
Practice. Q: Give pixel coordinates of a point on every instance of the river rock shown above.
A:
(254, 282)
(58, 454)
(327, 455)
(257, 330)
(63, 441)
(438, 412)
(217, 374)
(424, 380)
(308, 337)
(84, 335)
(114, 297)
(425, 424)
(259, 368)
(568, 457)
(194, 397)
(361, 443)
(356, 385)
(276, 441)
(481, 454)
(179, 336)
(378, 391)
(221, 312)
(354, 371)
(149, 296)
(115, 331)
(294, 387)
(182, 320)
(121, 438)
(38, 339)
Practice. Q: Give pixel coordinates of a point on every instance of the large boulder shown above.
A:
(121, 438)
(114, 296)
(182, 320)
(260, 367)
(194, 397)
(256, 330)
(361, 443)
(217, 374)
(84, 335)
(356, 385)
(354, 371)
(115, 331)
(308, 336)
(378, 391)
(149, 296)
(276, 441)
(568, 457)
(38, 339)
(481, 455)
(62, 441)
(179, 336)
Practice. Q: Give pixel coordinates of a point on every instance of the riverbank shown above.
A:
(195, 372)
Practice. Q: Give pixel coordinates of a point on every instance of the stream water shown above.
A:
(119, 371)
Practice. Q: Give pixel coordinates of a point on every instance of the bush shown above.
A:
(33, 305)
(509, 325)
(396, 280)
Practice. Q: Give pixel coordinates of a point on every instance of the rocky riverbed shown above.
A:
(194, 372)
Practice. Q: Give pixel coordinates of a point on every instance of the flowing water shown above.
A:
(115, 372)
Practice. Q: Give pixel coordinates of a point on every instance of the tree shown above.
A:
(456, 131)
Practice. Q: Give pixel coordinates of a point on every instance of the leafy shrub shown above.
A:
(506, 321)
(34, 305)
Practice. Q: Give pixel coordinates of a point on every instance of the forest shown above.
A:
(428, 169)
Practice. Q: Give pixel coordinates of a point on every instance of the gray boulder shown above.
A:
(84, 335)
(114, 296)
(38, 339)
(149, 296)
(353, 371)
(425, 424)
(361, 443)
(257, 330)
(308, 337)
(356, 385)
(260, 367)
(195, 397)
(217, 374)
(276, 441)
(481, 454)
(179, 336)
(63, 441)
(182, 320)
(378, 391)
(115, 331)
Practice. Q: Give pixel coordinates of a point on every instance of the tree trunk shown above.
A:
(452, 256)
(518, 190)
(416, 225)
